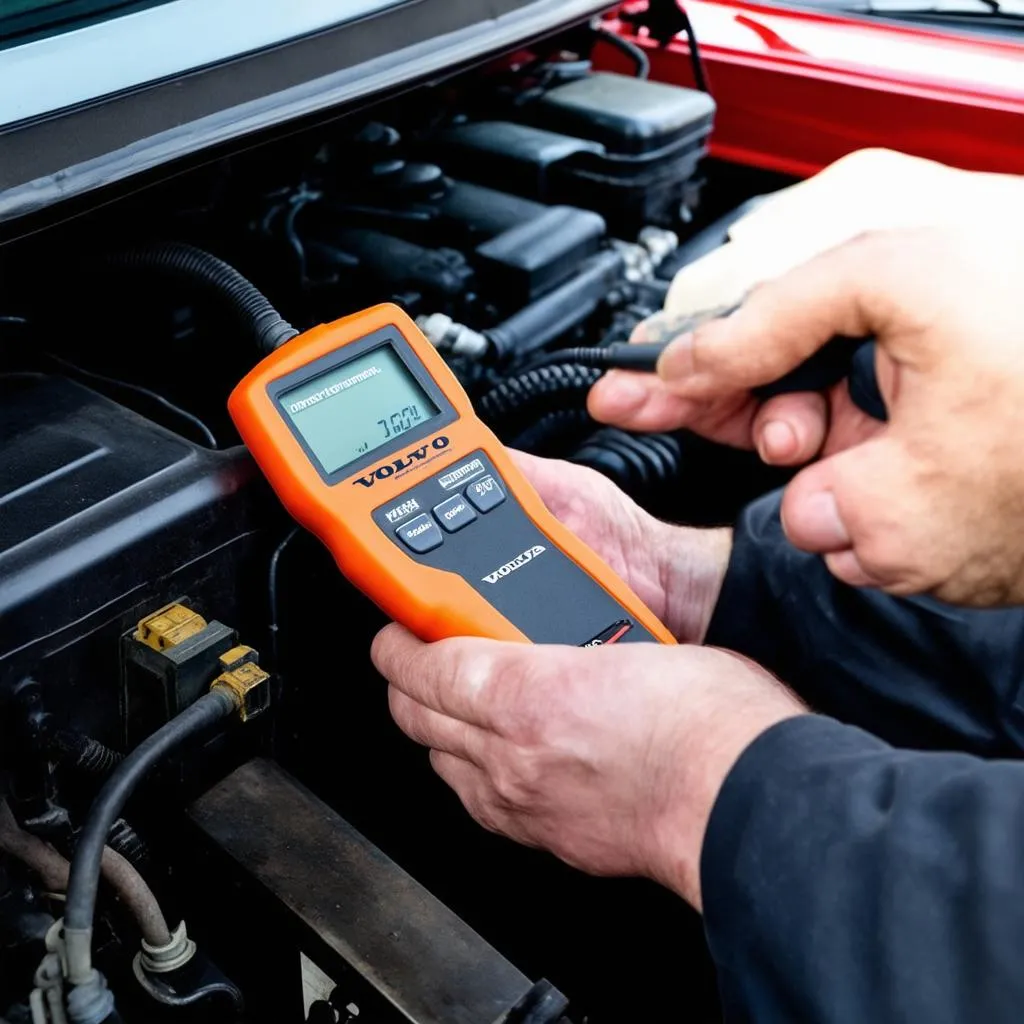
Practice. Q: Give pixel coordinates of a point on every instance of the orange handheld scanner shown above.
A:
(372, 444)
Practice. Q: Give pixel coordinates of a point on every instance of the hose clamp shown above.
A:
(163, 959)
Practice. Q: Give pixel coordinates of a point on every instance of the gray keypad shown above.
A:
(420, 534)
(454, 514)
(485, 494)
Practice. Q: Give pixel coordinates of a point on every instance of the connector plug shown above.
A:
(245, 681)
(169, 626)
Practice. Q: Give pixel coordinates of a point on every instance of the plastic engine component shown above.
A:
(104, 516)
(628, 116)
(527, 261)
(516, 155)
(437, 274)
(624, 147)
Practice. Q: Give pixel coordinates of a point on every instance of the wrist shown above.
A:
(704, 763)
(693, 567)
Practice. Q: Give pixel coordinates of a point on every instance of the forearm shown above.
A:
(845, 881)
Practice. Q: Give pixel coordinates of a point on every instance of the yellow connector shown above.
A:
(169, 626)
(246, 681)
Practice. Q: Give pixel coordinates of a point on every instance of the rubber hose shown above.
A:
(635, 462)
(249, 306)
(700, 75)
(85, 865)
(53, 869)
(559, 311)
(136, 894)
(635, 53)
(42, 858)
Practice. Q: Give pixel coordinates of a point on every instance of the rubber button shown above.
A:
(485, 494)
(454, 514)
(420, 535)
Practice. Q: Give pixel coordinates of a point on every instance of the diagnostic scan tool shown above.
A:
(372, 444)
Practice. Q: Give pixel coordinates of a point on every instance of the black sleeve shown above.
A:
(913, 671)
(846, 882)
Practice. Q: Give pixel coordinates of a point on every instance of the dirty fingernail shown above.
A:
(676, 362)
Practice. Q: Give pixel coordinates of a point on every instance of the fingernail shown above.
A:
(626, 390)
(777, 440)
(845, 565)
(821, 513)
(676, 362)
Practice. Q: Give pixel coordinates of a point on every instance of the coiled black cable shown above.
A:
(520, 401)
(77, 750)
(249, 306)
(515, 392)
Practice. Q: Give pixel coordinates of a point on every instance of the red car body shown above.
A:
(798, 89)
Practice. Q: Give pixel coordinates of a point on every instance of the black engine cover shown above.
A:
(105, 517)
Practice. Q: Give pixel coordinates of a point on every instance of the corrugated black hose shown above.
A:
(79, 751)
(517, 403)
(249, 306)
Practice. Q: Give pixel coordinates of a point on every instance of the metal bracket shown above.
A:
(356, 905)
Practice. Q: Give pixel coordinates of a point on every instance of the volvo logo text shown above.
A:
(517, 563)
(407, 461)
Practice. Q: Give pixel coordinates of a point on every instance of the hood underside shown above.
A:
(240, 82)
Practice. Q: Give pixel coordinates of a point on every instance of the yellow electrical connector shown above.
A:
(247, 682)
(169, 626)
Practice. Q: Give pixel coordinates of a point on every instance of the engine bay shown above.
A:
(515, 210)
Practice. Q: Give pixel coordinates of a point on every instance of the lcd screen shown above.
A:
(354, 409)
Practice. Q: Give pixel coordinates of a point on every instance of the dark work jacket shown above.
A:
(865, 865)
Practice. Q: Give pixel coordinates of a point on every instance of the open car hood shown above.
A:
(97, 104)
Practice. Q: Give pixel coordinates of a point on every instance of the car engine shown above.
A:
(308, 865)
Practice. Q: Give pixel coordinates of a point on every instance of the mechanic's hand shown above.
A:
(677, 572)
(611, 757)
(787, 430)
(934, 501)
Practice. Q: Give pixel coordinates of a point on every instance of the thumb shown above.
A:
(783, 322)
(865, 510)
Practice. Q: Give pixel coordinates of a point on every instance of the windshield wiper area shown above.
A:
(996, 15)
(1009, 12)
